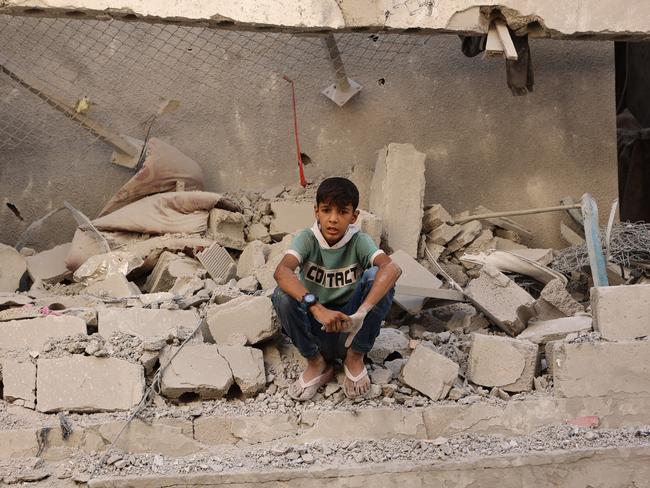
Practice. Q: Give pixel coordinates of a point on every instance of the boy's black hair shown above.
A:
(338, 191)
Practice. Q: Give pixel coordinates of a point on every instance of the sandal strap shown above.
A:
(312, 382)
(354, 379)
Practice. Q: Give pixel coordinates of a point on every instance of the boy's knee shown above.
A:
(281, 300)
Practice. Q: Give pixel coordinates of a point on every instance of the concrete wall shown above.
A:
(484, 146)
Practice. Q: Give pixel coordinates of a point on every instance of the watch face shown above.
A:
(309, 298)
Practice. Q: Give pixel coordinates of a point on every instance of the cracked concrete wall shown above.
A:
(483, 145)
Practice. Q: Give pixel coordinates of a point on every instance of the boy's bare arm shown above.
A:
(385, 279)
(285, 276)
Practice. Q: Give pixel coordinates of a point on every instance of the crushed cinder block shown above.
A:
(251, 316)
(621, 311)
(443, 234)
(556, 329)
(49, 266)
(498, 297)
(88, 384)
(468, 232)
(290, 216)
(218, 263)
(595, 369)
(252, 258)
(430, 373)
(265, 274)
(389, 341)
(556, 294)
(247, 366)
(258, 232)
(34, 333)
(198, 369)
(169, 267)
(227, 228)
(371, 225)
(19, 382)
(434, 217)
(149, 324)
(115, 285)
(398, 199)
(507, 363)
(12, 269)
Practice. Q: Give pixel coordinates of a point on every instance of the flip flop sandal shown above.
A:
(354, 380)
(309, 388)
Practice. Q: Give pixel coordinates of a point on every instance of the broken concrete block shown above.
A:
(280, 247)
(507, 363)
(169, 267)
(434, 217)
(430, 373)
(370, 224)
(435, 250)
(88, 384)
(498, 297)
(250, 316)
(415, 279)
(49, 266)
(218, 263)
(361, 176)
(443, 234)
(541, 256)
(290, 216)
(265, 274)
(389, 341)
(248, 284)
(149, 324)
(397, 199)
(468, 232)
(501, 244)
(227, 228)
(601, 369)
(198, 369)
(115, 285)
(33, 333)
(258, 232)
(247, 366)
(553, 330)
(19, 382)
(12, 269)
(507, 234)
(253, 258)
(556, 294)
(621, 311)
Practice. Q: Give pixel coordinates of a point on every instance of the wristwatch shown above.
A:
(309, 299)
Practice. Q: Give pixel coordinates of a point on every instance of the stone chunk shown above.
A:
(249, 284)
(115, 285)
(251, 316)
(498, 297)
(371, 225)
(247, 366)
(430, 373)
(258, 232)
(556, 294)
(601, 369)
(443, 234)
(389, 341)
(468, 232)
(149, 324)
(88, 384)
(227, 228)
(265, 274)
(12, 269)
(253, 258)
(19, 382)
(169, 267)
(291, 216)
(197, 369)
(396, 195)
(434, 217)
(553, 330)
(507, 363)
(621, 311)
(33, 333)
(49, 266)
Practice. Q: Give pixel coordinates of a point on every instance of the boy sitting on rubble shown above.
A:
(344, 292)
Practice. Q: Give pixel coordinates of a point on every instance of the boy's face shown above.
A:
(334, 220)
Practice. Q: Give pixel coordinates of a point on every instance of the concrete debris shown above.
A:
(19, 382)
(114, 285)
(218, 263)
(541, 256)
(290, 216)
(249, 284)
(88, 384)
(556, 329)
(443, 234)
(101, 265)
(146, 323)
(258, 232)
(371, 225)
(415, 278)
(12, 270)
(32, 334)
(49, 266)
(398, 200)
(621, 312)
(430, 373)
(509, 364)
(227, 228)
(434, 217)
(499, 297)
(388, 342)
(252, 258)
(251, 316)
(468, 232)
(247, 366)
(556, 294)
(168, 269)
(265, 274)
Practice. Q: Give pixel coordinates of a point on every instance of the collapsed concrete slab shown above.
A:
(509, 364)
(32, 334)
(416, 279)
(556, 294)
(12, 269)
(198, 369)
(253, 258)
(592, 369)
(227, 228)
(556, 329)
(149, 324)
(169, 267)
(290, 216)
(19, 382)
(88, 384)
(621, 311)
(49, 266)
(247, 366)
(498, 297)
(397, 199)
(251, 316)
(430, 373)
(389, 341)
(371, 225)
(265, 274)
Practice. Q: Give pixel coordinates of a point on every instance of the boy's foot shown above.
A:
(356, 381)
(317, 374)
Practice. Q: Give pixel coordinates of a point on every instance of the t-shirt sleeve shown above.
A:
(367, 250)
(300, 246)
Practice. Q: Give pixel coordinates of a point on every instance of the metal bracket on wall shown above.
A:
(344, 88)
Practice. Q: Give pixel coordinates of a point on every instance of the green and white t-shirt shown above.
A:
(331, 272)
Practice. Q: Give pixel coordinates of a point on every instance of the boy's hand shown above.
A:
(356, 322)
(331, 320)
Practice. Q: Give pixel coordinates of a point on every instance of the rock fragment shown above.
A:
(621, 312)
(251, 316)
(247, 366)
(430, 373)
